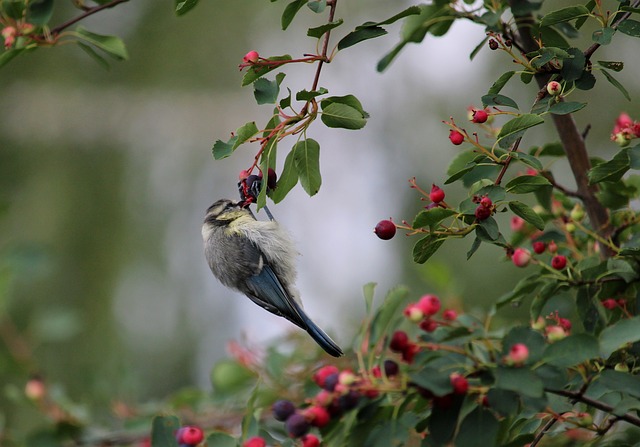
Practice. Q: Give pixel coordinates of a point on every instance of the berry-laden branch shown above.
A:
(571, 139)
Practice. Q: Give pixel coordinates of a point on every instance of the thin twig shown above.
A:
(578, 397)
(84, 15)
(507, 162)
(592, 49)
(544, 431)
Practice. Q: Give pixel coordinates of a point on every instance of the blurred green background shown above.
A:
(105, 176)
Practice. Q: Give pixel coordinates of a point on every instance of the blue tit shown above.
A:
(257, 258)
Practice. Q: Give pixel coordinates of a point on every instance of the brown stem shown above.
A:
(578, 397)
(572, 142)
(84, 15)
(507, 162)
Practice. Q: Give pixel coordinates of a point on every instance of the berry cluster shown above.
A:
(249, 185)
(189, 435)
(625, 130)
(485, 207)
(554, 327)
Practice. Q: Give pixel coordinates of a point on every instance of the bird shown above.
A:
(257, 257)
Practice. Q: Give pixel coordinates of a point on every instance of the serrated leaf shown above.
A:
(630, 27)
(287, 179)
(616, 84)
(498, 100)
(184, 6)
(612, 65)
(564, 108)
(290, 12)
(519, 124)
(112, 45)
(500, 83)
(306, 154)
(618, 335)
(223, 149)
(425, 248)
(319, 31)
(343, 116)
(257, 71)
(266, 91)
(245, 132)
(564, 15)
(527, 213)
(612, 170)
(305, 95)
(526, 183)
(572, 350)
(428, 218)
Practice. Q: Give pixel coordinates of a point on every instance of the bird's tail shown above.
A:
(320, 337)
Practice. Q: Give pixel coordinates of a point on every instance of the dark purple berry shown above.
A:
(272, 179)
(282, 409)
(349, 401)
(390, 368)
(493, 44)
(385, 229)
(331, 381)
(482, 212)
(297, 425)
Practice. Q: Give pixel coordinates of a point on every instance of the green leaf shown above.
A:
(527, 159)
(630, 27)
(618, 335)
(245, 132)
(480, 428)
(348, 100)
(514, 126)
(621, 382)
(306, 155)
(388, 315)
(564, 15)
(290, 12)
(622, 268)
(94, 55)
(611, 65)
(40, 12)
(572, 350)
(163, 429)
(474, 247)
(433, 380)
(305, 95)
(184, 6)
(317, 6)
(564, 108)
(111, 45)
(523, 288)
(603, 36)
(287, 179)
(7, 56)
(498, 100)
(223, 150)
(552, 150)
(428, 218)
(527, 213)
(343, 112)
(257, 71)
(500, 83)
(368, 291)
(616, 84)
(360, 35)
(487, 230)
(526, 183)
(266, 91)
(612, 170)
(425, 248)
(220, 439)
(521, 380)
(319, 31)
(573, 66)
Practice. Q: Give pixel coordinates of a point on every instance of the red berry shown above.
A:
(318, 416)
(409, 352)
(321, 375)
(482, 212)
(272, 179)
(428, 325)
(539, 247)
(456, 137)
(559, 262)
(251, 57)
(190, 434)
(436, 195)
(565, 324)
(244, 174)
(385, 229)
(310, 441)
(610, 304)
(521, 257)
(429, 304)
(449, 315)
(399, 341)
(479, 116)
(486, 202)
(256, 441)
(460, 383)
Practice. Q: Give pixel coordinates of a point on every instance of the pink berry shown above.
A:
(385, 229)
(244, 174)
(346, 377)
(610, 304)
(318, 416)
(190, 434)
(518, 354)
(559, 262)
(554, 88)
(517, 224)
(486, 202)
(256, 441)
(555, 333)
(251, 57)
(320, 376)
(521, 257)
(482, 213)
(436, 195)
(413, 312)
(460, 383)
(479, 116)
(539, 247)
(449, 315)
(429, 304)
(552, 247)
(310, 441)
(456, 137)
(565, 324)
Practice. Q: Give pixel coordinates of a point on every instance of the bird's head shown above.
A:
(225, 211)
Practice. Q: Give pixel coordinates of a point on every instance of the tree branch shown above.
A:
(84, 15)
(578, 397)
